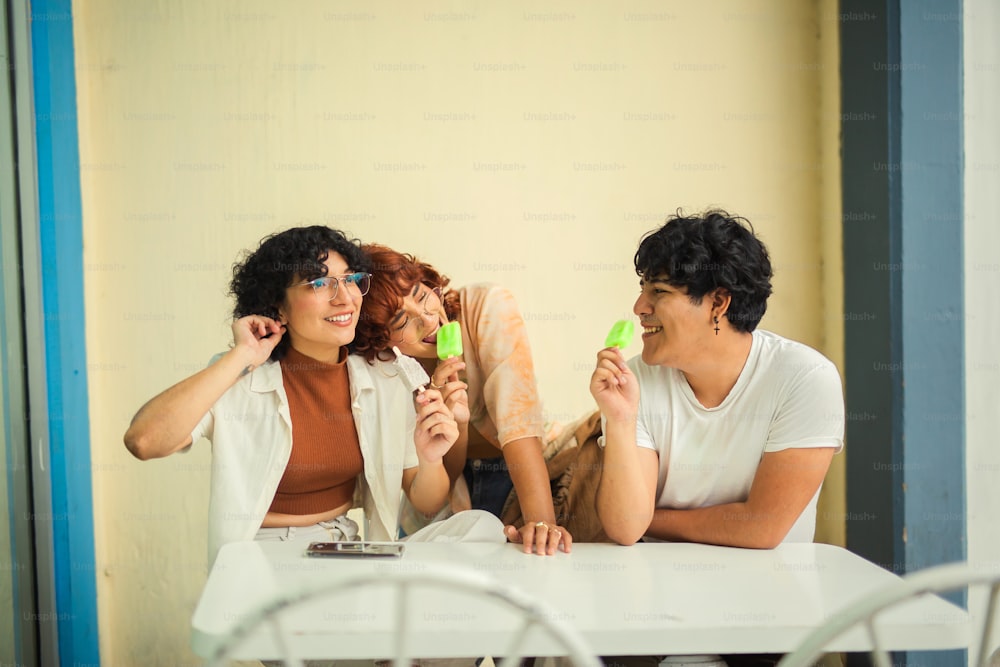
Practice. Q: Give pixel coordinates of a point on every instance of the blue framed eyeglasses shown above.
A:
(326, 287)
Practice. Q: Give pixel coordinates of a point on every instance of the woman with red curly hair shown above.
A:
(490, 389)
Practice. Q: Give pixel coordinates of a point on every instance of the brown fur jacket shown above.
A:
(574, 463)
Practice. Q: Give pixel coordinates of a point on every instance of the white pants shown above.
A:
(340, 529)
(467, 526)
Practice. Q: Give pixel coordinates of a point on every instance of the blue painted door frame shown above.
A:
(60, 243)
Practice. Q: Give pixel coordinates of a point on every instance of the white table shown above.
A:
(645, 599)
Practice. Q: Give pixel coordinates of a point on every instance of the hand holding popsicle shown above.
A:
(613, 385)
(437, 429)
(454, 391)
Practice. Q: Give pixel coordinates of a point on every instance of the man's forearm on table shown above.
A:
(732, 524)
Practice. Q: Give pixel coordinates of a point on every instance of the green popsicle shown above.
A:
(620, 334)
(449, 341)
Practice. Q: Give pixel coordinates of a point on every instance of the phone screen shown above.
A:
(374, 549)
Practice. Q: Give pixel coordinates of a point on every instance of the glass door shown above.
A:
(18, 606)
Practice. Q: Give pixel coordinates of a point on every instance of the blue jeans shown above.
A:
(489, 483)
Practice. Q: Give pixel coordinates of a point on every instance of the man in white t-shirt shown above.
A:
(718, 433)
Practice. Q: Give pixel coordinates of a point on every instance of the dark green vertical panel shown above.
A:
(872, 253)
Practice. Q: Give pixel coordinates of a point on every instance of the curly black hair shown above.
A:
(295, 255)
(703, 253)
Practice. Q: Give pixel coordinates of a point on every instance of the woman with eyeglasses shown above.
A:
(301, 428)
(490, 388)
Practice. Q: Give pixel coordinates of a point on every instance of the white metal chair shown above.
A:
(404, 584)
(931, 580)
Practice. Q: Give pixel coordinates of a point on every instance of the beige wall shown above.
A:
(832, 510)
(527, 144)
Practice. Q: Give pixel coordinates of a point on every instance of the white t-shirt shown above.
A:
(788, 395)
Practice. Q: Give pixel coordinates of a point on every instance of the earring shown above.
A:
(716, 326)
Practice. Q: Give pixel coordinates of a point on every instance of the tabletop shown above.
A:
(645, 599)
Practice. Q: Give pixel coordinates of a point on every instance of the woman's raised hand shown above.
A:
(436, 429)
(454, 392)
(258, 336)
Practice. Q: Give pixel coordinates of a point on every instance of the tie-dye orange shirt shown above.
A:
(503, 397)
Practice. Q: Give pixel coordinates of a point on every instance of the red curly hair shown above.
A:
(393, 276)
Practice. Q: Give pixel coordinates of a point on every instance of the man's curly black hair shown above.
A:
(283, 259)
(702, 253)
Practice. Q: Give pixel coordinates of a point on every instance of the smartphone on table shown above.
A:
(363, 549)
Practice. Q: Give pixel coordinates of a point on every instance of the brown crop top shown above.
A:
(326, 456)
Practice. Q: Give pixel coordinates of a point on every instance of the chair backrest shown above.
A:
(932, 580)
(404, 586)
